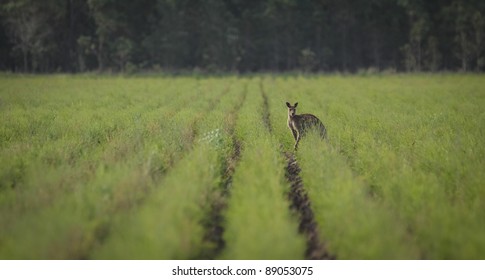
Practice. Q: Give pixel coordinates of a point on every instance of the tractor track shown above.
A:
(214, 222)
(300, 203)
(266, 114)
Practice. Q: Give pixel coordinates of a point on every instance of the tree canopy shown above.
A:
(242, 35)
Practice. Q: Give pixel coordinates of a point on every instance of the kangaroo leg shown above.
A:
(298, 136)
(323, 132)
(294, 133)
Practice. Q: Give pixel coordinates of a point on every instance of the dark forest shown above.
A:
(242, 35)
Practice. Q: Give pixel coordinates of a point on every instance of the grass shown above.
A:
(116, 167)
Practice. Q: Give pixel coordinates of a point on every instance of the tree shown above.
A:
(478, 22)
(432, 54)
(307, 60)
(105, 26)
(123, 49)
(464, 47)
(242, 35)
(86, 47)
(28, 30)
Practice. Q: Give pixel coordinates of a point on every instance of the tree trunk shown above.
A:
(376, 49)
(99, 55)
(463, 52)
(344, 49)
(26, 60)
(418, 64)
(318, 45)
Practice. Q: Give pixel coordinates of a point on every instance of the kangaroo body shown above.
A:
(300, 124)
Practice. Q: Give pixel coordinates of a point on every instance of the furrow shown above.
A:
(214, 222)
(266, 111)
(300, 203)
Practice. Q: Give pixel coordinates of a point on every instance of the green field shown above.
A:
(114, 167)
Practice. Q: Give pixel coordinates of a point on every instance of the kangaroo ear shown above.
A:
(288, 104)
(296, 104)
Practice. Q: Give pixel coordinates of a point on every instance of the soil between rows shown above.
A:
(213, 226)
(301, 204)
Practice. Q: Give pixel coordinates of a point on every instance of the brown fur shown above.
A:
(300, 124)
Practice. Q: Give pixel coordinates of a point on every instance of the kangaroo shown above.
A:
(299, 124)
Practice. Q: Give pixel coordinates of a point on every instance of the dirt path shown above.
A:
(213, 226)
(266, 115)
(301, 204)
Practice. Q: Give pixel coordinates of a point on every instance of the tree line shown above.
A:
(242, 35)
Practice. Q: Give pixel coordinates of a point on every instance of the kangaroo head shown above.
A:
(291, 109)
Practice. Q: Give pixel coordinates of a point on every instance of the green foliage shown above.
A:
(345, 209)
(86, 157)
(241, 36)
(142, 167)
